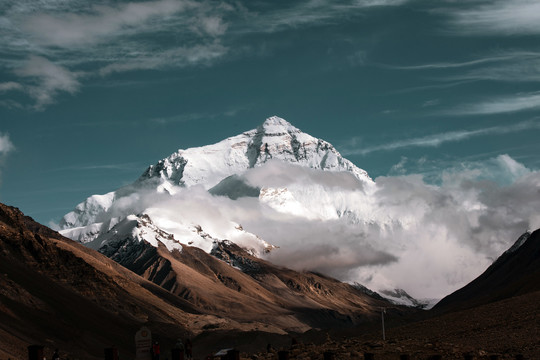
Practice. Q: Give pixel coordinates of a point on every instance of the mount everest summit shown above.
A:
(221, 170)
(292, 199)
(247, 189)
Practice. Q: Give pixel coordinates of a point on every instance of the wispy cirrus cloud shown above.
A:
(166, 59)
(452, 65)
(510, 66)
(97, 24)
(312, 12)
(63, 44)
(49, 42)
(500, 105)
(506, 17)
(434, 140)
(45, 80)
(10, 86)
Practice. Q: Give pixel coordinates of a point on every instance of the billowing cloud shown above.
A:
(401, 231)
(428, 239)
(280, 174)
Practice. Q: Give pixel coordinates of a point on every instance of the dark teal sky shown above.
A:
(91, 93)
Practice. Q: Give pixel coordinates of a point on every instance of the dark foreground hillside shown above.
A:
(55, 292)
(496, 316)
(506, 329)
(60, 294)
(515, 272)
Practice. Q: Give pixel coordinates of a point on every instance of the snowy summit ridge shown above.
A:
(275, 139)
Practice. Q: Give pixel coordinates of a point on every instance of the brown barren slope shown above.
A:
(58, 293)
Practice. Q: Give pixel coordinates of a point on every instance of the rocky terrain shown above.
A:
(500, 330)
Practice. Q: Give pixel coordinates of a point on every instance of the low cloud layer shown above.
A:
(401, 231)
(428, 239)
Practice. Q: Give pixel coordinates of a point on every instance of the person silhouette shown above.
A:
(156, 351)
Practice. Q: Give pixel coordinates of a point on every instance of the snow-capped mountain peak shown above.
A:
(275, 125)
(274, 139)
(166, 191)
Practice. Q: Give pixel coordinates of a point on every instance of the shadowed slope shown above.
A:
(58, 293)
(515, 272)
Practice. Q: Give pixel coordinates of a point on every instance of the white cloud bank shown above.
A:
(399, 232)
(427, 239)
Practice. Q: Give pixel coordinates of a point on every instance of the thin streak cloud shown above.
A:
(314, 12)
(507, 17)
(439, 139)
(449, 65)
(510, 104)
(509, 66)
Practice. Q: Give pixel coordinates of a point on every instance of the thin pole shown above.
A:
(383, 310)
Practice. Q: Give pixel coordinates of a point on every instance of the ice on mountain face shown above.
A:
(281, 200)
(135, 228)
(400, 297)
(87, 234)
(87, 212)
